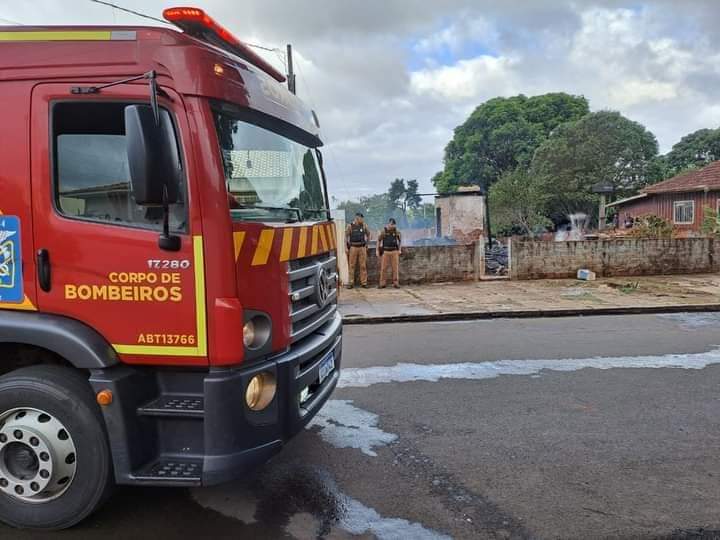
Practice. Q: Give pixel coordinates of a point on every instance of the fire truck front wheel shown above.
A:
(55, 464)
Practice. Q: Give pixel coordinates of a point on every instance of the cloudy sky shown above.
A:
(390, 79)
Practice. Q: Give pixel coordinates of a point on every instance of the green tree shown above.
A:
(517, 203)
(600, 148)
(396, 193)
(658, 170)
(403, 196)
(401, 201)
(694, 151)
(502, 134)
(412, 198)
(374, 207)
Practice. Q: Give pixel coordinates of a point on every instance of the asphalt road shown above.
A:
(575, 428)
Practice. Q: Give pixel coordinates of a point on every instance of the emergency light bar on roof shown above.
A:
(198, 24)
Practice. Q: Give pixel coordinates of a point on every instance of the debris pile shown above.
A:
(496, 259)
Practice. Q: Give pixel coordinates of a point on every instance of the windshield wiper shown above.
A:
(283, 208)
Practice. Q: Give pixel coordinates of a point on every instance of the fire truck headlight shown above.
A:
(260, 391)
(256, 332)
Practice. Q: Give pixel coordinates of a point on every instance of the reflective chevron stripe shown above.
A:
(289, 243)
(264, 247)
(285, 250)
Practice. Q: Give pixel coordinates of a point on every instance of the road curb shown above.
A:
(531, 314)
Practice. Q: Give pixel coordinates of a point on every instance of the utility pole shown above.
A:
(291, 72)
(603, 189)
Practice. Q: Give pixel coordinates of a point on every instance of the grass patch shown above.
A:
(628, 287)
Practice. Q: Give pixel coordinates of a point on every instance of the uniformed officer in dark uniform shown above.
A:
(389, 248)
(357, 236)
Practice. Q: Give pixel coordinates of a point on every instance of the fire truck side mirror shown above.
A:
(153, 156)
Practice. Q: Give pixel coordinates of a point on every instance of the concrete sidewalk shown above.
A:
(557, 297)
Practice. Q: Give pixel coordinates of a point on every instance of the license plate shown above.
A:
(327, 366)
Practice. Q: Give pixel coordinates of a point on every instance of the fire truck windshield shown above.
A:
(269, 177)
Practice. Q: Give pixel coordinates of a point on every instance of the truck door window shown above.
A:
(92, 179)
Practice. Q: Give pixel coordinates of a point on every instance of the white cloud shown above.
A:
(468, 79)
(633, 92)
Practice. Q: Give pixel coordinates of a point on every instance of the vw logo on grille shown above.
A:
(322, 287)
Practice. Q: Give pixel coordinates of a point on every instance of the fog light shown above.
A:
(260, 391)
(249, 333)
(256, 332)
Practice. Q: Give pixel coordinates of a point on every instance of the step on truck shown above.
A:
(168, 284)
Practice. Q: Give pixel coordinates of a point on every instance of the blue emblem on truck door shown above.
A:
(11, 283)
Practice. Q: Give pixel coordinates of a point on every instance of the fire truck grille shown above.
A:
(313, 283)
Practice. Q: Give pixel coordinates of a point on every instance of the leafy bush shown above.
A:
(711, 222)
(651, 226)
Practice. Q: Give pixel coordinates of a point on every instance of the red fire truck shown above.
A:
(168, 273)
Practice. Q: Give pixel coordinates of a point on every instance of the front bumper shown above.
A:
(170, 427)
(237, 438)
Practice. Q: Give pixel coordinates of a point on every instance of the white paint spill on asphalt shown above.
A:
(237, 501)
(691, 321)
(363, 377)
(345, 426)
(359, 519)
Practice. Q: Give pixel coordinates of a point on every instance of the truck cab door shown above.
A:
(98, 259)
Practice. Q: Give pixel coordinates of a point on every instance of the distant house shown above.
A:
(680, 200)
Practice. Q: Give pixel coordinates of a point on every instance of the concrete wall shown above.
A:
(430, 264)
(626, 257)
(339, 220)
(462, 216)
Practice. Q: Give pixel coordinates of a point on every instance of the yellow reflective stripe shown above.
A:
(44, 35)
(262, 252)
(238, 238)
(323, 240)
(200, 305)
(200, 317)
(331, 235)
(302, 243)
(314, 243)
(25, 305)
(286, 245)
(157, 350)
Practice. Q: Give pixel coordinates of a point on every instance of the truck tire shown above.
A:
(55, 463)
